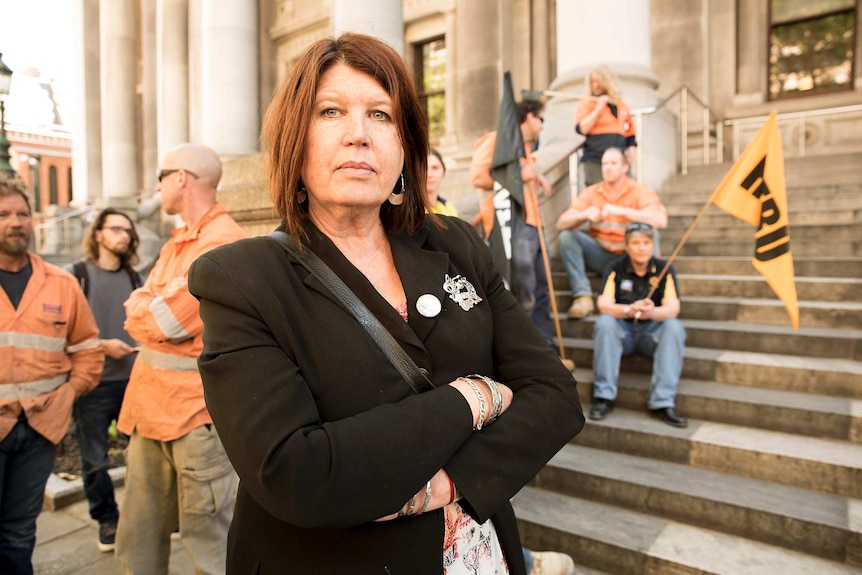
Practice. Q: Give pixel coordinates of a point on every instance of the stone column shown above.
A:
(172, 32)
(751, 80)
(621, 28)
(149, 125)
(380, 18)
(87, 137)
(119, 94)
(229, 100)
(484, 53)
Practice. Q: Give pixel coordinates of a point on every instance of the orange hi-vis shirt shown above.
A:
(480, 172)
(610, 233)
(165, 398)
(49, 352)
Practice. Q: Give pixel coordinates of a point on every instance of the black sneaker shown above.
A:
(601, 408)
(107, 537)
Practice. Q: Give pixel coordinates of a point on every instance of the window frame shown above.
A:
(770, 26)
(419, 79)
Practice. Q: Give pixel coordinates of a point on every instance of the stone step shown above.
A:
(821, 376)
(824, 289)
(729, 265)
(748, 285)
(799, 247)
(798, 172)
(626, 542)
(731, 335)
(787, 411)
(798, 218)
(824, 465)
(837, 315)
(743, 231)
(827, 196)
(800, 519)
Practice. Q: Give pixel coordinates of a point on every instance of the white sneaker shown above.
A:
(552, 563)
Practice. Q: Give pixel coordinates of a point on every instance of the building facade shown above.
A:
(700, 75)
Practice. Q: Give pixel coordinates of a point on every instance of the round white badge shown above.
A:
(428, 305)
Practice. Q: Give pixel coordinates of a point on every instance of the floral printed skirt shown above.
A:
(470, 548)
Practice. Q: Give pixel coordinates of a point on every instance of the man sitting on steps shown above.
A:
(632, 323)
(609, 205)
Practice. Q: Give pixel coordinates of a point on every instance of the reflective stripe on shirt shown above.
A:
(166, 320)
(86, 344)
(32, 341)
(168, 361)
(31, 388)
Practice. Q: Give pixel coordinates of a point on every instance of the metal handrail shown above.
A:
(684, 93)
(64, 219)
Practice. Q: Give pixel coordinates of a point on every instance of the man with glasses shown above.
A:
(631, 323)
(608, 207)
(176, 466)
(528, 275)
(49, 357)
(107, 277)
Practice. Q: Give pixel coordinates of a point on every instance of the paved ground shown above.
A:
(66, 545)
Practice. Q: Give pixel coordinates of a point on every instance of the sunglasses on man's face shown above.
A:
(165, 173)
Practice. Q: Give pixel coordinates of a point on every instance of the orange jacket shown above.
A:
(480, 177)
(164, 398)
(49, 352)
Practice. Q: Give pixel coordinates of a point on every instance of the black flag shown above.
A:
(509, 146)
(506, 171)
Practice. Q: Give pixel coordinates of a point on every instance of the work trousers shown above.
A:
(664, 341)
(189, 478)
(26, 460)
(93, 414)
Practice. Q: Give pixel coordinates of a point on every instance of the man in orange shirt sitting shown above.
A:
(609, 207)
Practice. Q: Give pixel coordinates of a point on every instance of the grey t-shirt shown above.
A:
(106, 294)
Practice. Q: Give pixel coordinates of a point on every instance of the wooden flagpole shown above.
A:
(570, 365)
(677, 249)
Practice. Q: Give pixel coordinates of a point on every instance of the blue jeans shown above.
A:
(93, 414)
(26, 460)
(580, 253)
(531, 283)
(528, 558)
(664, 341)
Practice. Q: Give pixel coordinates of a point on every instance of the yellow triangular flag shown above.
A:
(754, 191)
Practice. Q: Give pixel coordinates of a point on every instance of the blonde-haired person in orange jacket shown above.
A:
(49, 356)
(606, 122)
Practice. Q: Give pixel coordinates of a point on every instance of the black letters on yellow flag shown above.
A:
(754, 191)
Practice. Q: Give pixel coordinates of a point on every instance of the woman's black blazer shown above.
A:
(324, 434)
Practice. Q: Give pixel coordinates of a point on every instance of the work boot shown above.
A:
(581, 307)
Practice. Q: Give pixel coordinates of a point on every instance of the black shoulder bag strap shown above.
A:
(416, 377)
(79, 269)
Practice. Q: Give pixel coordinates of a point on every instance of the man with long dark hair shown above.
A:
(107, 277)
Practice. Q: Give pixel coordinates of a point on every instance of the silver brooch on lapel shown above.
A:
(461, 292)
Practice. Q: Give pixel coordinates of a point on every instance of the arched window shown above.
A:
(52, 185)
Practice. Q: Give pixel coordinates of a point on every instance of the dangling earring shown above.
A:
(301, 193)
(396, 199)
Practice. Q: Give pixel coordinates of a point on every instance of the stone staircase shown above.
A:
(767, 478)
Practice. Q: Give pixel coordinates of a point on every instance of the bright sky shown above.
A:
(39, 34)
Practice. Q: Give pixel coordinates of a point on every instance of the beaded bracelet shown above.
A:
(482, 405)
(451, 491)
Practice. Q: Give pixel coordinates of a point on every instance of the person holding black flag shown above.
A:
(511, 215)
